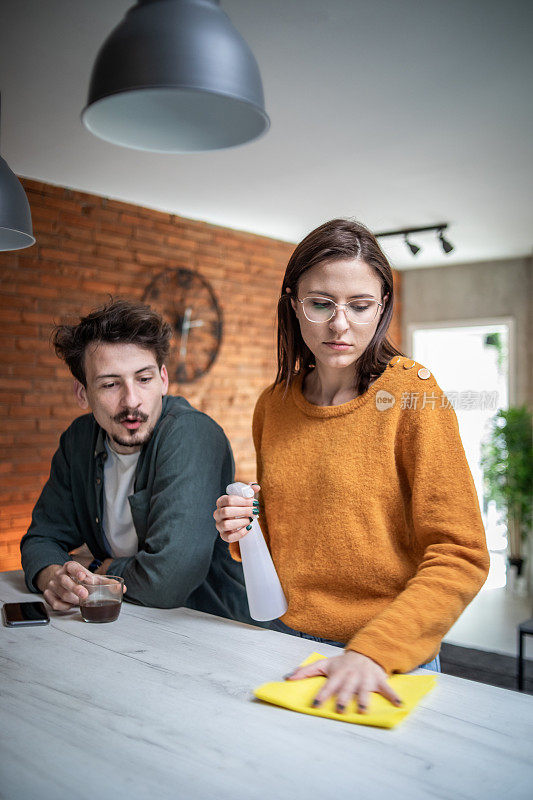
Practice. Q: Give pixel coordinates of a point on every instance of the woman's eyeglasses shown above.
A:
(321, 309)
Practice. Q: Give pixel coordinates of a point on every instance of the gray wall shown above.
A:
(476, 291)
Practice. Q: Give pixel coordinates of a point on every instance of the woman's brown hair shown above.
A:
(337, 239)
(118, 322)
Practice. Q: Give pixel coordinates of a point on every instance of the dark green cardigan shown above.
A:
(181, 472)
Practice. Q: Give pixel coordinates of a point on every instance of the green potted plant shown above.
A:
(507, 462)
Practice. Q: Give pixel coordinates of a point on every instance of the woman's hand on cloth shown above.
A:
(348, 675)
(234, 515)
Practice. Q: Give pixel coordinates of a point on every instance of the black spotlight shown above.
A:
(412, 247)
(446, 246)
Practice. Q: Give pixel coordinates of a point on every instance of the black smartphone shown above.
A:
(19, 614)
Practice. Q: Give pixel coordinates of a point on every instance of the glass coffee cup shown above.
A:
(104, 598)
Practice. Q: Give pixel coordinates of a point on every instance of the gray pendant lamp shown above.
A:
(176, 77)
(16, 230)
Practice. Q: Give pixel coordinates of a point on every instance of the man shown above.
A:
(136, 480)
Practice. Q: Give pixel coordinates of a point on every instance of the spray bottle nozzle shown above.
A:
(240, 489)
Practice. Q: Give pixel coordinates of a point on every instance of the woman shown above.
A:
(368, 504)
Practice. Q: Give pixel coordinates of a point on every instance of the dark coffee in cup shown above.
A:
(100, 610)
(104, 598)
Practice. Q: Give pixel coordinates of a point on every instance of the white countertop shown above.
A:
(159, 705)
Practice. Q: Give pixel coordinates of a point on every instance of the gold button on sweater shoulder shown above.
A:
(371, 516)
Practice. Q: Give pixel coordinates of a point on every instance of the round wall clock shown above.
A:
(187, 301)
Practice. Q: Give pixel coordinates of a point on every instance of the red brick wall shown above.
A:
(87, 248)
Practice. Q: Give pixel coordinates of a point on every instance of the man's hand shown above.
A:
(59, 587)
(348, 675)
(59, 584)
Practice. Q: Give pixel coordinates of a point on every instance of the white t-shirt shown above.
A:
(119, 479)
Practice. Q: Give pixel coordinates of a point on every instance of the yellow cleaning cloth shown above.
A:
(298, 696)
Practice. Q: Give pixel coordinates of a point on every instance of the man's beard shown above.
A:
(135, 439)
(140, 441)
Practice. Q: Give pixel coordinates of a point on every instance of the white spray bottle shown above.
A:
(265, 595)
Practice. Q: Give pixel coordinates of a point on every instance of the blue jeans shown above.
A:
(278, 625)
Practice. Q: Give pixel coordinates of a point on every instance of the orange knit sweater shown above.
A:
(371, 515)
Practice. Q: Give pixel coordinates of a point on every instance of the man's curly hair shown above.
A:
(118, 322)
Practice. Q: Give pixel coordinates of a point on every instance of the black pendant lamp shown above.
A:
(16, 230)
(176, 77)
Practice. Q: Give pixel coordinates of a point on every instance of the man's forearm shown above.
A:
(45, 575)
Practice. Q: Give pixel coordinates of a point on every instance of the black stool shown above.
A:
(524, 629)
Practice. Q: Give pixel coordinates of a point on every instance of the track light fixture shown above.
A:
(446, 246)
(406, 232)
(412, 247)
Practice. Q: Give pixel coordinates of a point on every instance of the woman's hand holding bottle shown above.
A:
(233, 515)
(348, 674)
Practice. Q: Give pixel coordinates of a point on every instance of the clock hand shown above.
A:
(186, 325)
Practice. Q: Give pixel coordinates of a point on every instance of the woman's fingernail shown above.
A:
(248, 527)
(315, 703)
(288, 675)
(340, 708)
(362, 709)
(256, 503)
(255, 511)
(251, 519)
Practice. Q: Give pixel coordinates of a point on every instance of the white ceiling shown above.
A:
(398, 112)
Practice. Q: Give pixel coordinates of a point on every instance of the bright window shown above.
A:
(471, 364)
